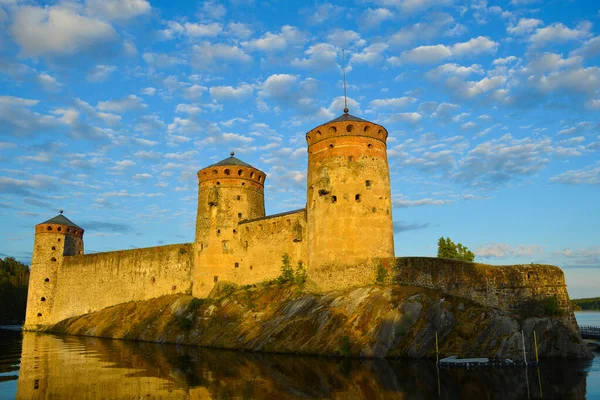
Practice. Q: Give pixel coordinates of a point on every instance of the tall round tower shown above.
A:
(228, 192)
(54, 239)
(349, 207)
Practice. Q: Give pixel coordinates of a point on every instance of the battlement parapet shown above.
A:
(360, 129)
(232, 176)
(60, 229)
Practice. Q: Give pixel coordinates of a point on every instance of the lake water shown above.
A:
(68, 367)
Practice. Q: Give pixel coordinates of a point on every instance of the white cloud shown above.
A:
(344, 38)
(474, 47)
(324, 13)
(149, 91)
(161, 60)
(524, 27)
(374, 17)
(445, 111)
(129, 103)
(203, 30)
(401, 201)
(222, 93)
(588, 49)
(271, 42)
(398, 102)
(584, 176)
(57, 30)
(559, 33)
(193, 92)
(117, 9)
(437, 53)
(212, 9)
(100, 73)
(320, 57)
(239, 30)
(414, 6)
(453, 69)
(49, 83)
(408, 117)
(501, 250)
(210, 56)
(370, 54)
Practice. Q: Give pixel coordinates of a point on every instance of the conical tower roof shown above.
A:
(61, 220)
(230, 161)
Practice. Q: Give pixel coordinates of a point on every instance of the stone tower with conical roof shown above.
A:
(228, 192)
(54, 239)
(349, 207)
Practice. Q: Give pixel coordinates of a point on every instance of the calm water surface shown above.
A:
(46, 366)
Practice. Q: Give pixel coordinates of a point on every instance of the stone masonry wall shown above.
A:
(504, 287)
(254, 253)
(92, 282)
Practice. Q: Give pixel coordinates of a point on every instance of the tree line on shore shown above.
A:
(590, 304)
(14, 280)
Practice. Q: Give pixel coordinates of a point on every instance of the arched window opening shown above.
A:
(39, 314)
(243, 183)
(367, 129)
(333, 199)
(216, 279)
(239, 215)
(370, 145)
(53, 259)
(59, 239)
(59, 229)
(350, 159)
(215, 171)
(47, 280)
(227, 172)
(236, 265)
(43, 299)
(349, 128)
(49, 228)
(218, 232)
(332, 129)
(53, 247)
(240, 172)
(68, 230)
(252, 175)
(357, 197)
(331, 146)
(218, 183)
(234, 231)
(368, 184)
(251, 267)
(239, 197)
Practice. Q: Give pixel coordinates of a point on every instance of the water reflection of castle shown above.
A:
(72, 367)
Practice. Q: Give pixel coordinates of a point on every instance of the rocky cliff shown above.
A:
(369, 321)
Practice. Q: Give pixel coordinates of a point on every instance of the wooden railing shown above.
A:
(589, 332)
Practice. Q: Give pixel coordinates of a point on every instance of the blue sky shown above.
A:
(109, 107)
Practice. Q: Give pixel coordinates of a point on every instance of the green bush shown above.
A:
(194, 304)
(382, 274)
(287, 271)
(300, 277)
(448, 249)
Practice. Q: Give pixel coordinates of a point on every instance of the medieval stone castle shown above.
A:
(343, 236)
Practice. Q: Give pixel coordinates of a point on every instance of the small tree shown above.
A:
(287, 271)
(448, 249)
(300, 277)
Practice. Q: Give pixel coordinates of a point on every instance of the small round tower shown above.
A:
(54, 239)
(228, 192)
(349, 207)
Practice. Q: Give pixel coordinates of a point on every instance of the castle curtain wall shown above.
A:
(254, 253)
(92, 282)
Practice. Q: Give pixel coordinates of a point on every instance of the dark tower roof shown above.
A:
(346, 117)
(230, 161)
(61, 220)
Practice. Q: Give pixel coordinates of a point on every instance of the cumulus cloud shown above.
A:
(344, 38)
(437, 53)
(208, 56)
(524, 26)
(17, 118)
(398, 102)
(585, 176)
(48, 82)
(289, 36)
(453, 69)
(222, 93)
(320, 57)
(193, 92)
(129, 103)
(559, 33)
(501, 250)
(498, 161)
(117, 9)
(408, 117)
(100, 73)
(373, 17)
(403, 202)
(369, 55)
(161, 60)
(58, 30)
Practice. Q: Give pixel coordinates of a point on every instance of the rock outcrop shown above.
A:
(369, 321)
